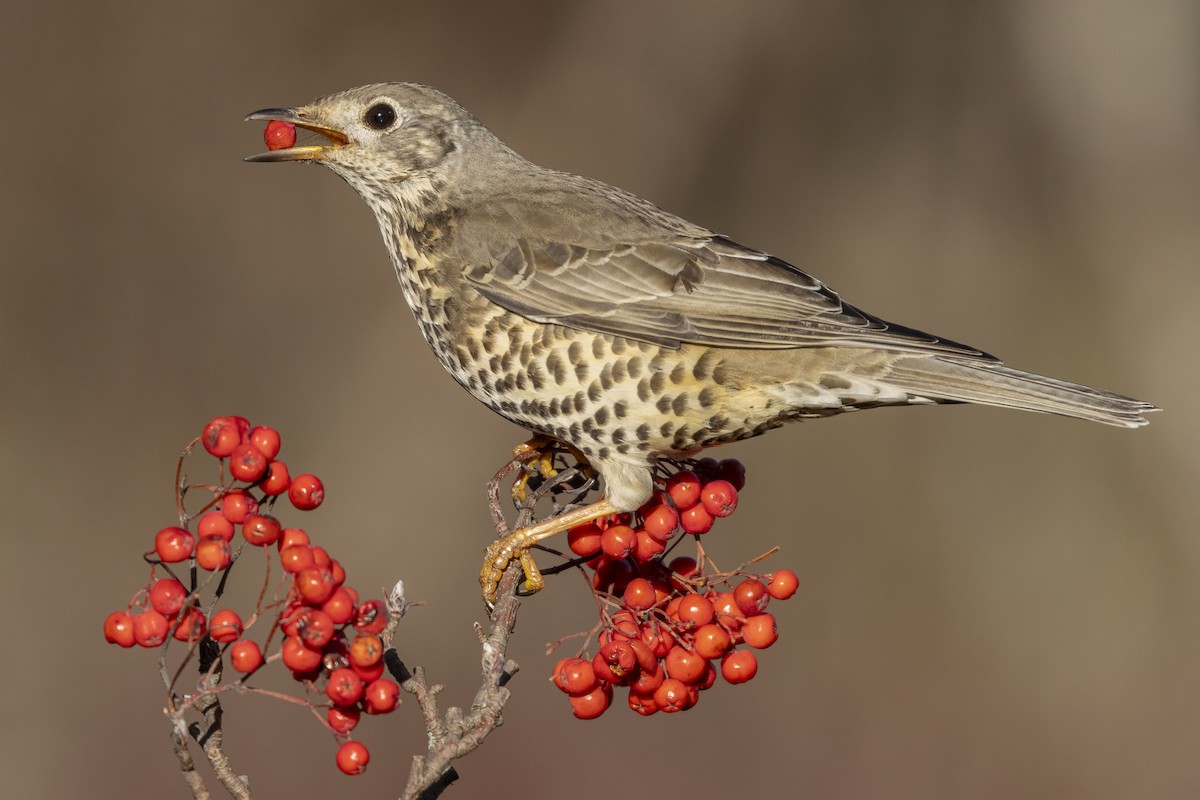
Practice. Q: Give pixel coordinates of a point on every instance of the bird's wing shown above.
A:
(712, 292)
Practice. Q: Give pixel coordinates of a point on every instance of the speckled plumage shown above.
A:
(584, 313)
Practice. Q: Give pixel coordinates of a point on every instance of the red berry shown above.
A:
(584, 540)
(299, 658)
(344, 687)
(695, 609)
(739, 666)
(615, 662)
(221, 436)
(649, 679)
(592, 704)
(290, 537)
(696, 520)
(261, 530)
(247, 463)
(225, 626)
(306, 492)
(617, 541)
(783, 584)
(661, 522)
(671, 696)
(167, 596)
(280, 135)
(366, 651)
(575, 676)
(245, 656)
(266, 440)
(683, 566)
(213, 523)
(658, 639)
(191, 625)
(684, 489)
(343, 720)
(642, 703)
(277, 479)
(381, 696)
(371, 673)
(684, 665)
(712, 641)
(719, 498)
(296, 559)
(353, 757)
(150, 628)
(751, 597)
(370, 617)
(236, 505)
(315, 585)
(646, 548)
(639, 594)
(315, 628)
(759, 631)
(340, 606)
(213, 553)
(174, 544)
(728, 613)
(118, 629)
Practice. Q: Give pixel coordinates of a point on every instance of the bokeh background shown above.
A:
(993, 605)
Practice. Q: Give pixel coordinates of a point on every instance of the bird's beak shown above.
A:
(297, 117)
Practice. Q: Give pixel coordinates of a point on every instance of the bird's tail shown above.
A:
(954, 381)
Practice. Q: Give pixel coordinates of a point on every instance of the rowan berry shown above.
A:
(280, 135)
(291, 537)
(696, 520)
(118, 629)
(213, 553)
(344, 687)
(237, 504)
(370, 617)
(728, 613)
(661, 522)
(221, 436)
(719, 498)
(615, 662)
(167, 596)
(343, 719)
(381, 696)
(340, 606)
(684, 489)
(684, 665)
(245, 655)
(315, 628)
(266, 440)
(584, 540)
(225, 626)
(365, 651)
(261, 530)
(671, 696)
(213, 523)
(732, 470)
(190, 627)
(649, 679)
(174, 544)
(371, 673)
(296, 559)
(783, 584)
(712, 641)
(639, 594)
(306, 492)
(150, 628)
(751, 597)
(353, 757)
(277, 480)
(315, 585)
(739, 666)
(646, 548)
(299, 658)
(247, 463)
(642, 703)
(759, 631)
(694, 609)
(592, 704)
(617, 541)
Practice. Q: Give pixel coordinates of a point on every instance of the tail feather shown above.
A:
(953, 381)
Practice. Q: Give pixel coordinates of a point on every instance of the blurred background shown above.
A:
(992, 604)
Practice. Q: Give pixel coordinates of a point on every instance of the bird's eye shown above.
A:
(380, 117)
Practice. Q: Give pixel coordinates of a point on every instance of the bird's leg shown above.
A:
(517, 545)
(540, 450)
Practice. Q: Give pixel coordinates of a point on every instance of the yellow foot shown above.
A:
(539, 449)
(516, 545)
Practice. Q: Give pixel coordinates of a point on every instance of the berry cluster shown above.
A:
(314, 609)
(668, 628)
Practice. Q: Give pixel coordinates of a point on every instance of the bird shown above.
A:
(591, 316)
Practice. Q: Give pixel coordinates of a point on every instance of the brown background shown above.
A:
(993, 605)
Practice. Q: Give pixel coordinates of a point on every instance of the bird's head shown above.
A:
(378, 136)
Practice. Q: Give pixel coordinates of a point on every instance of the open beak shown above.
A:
(304, 152)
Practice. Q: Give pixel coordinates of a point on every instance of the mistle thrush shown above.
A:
(589, 315)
